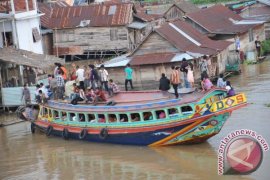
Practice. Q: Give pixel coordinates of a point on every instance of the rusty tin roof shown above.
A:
(187, 39)
(219, 19)
(98, 15)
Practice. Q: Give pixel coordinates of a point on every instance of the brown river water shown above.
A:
(34, 156)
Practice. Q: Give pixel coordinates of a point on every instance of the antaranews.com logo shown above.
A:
(241, 152)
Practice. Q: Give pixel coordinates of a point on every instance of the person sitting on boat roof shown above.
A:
(42, 97)
(206, 83)
(75, 91)
(81, 97)
(220, 82)
(90, 95)
(230, 90)
(100, 96)
(113, 88)
(164, 83)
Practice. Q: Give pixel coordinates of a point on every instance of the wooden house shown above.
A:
(220, 23)
(180, 9)
(167, 46)
(261, 12)
(94, 30)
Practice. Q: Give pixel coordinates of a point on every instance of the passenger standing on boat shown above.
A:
(164, 83)
(113, 88)
(43, 97)
(203, 67)
(258, 46)
(129, 72)
(175, 80)
(55, 72)
(220, 82)
(26, 94)
(103, 74)
(72, 73)
(94, 77)
(87, 72)
(60, 85)
(183, 69)
(64, 70)
(53, 86)
(37, 97)
(190, 76)
(80, 76)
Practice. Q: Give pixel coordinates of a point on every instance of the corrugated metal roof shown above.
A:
(219, 19)
(28, 58)
(179, 57)
(187, 39)
(119, 61)
(258, 13)
(185, 7)
(100, 15)
(156, 58)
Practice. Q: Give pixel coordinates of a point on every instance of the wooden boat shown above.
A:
(152, 118)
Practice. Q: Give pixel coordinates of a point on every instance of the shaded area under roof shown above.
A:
(28, 58)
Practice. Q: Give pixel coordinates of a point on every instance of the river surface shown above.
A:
(34, 156)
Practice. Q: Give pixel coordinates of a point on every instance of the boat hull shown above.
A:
(196, 130)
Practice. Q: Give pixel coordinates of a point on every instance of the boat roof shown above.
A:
(133, 101)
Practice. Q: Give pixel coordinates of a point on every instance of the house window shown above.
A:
(36, 35)
(7, 37)
(250, 34)
(114, 34)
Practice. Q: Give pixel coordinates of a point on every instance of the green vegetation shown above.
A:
(267, 105)
(210, 1)
(265, 47)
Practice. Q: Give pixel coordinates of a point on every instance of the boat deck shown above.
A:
(142, 97)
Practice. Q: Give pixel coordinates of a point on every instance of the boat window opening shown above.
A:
(101, 118)
(173, 112)
(135, 117)
(147, 116)
(55, 114)
(81, 117)
(123, 117)
(50, 113)
(45, 112)
(112, 118)
(73, 117)
(186, 110)
(160, 114)
(91, 118)
(63, 116)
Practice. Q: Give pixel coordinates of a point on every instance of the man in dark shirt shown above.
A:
(183, 69)
(164, 83)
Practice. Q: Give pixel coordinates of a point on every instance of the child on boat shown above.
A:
(113, 88)
(206, 83)
(221, 83)
(90, 95)
(230, 90)
(75, 92)
(190, 76)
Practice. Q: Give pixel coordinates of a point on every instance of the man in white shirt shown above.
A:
(104, 77)
(80, 76)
